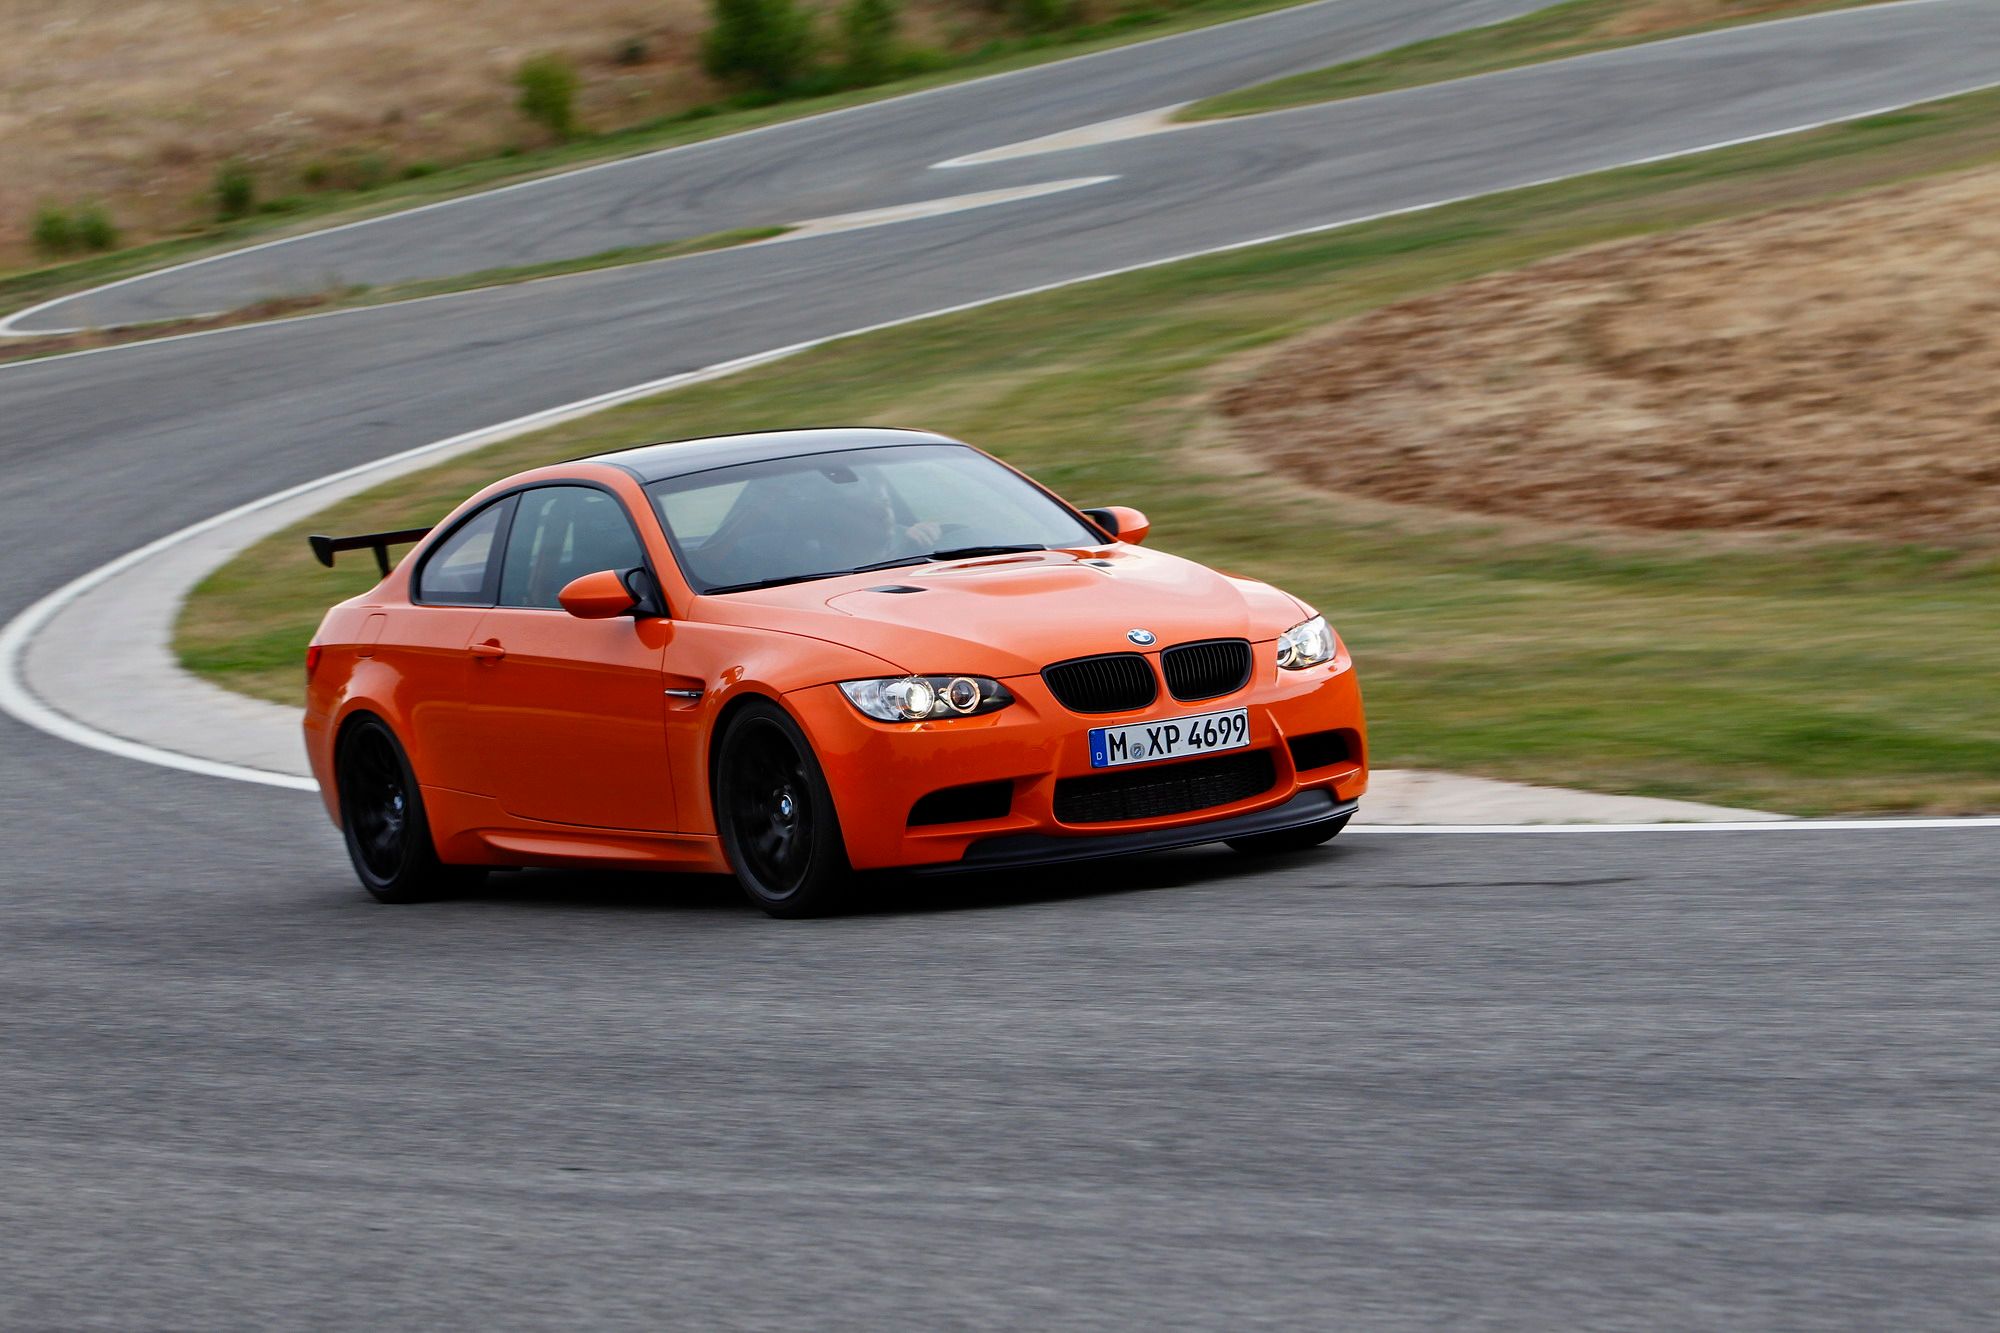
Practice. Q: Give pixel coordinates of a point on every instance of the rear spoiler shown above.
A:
(325, 547)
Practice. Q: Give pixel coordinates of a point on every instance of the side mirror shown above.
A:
(599, 596)
(1121, 521)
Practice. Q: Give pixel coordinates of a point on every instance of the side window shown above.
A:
(560, 534)
(456, 573)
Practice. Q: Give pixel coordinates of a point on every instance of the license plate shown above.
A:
(1174, 738)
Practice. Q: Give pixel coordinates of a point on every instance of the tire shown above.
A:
(776, 817)
(1291, 839)
(382, 818)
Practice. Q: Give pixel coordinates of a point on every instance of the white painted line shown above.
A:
(7, 329)
(1084, 136)
(930, 208)
(1890, 825)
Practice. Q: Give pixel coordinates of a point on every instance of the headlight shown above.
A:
(1305, 644)
(919, 698)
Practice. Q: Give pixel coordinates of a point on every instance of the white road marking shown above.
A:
(929, 208)
(1144, 124)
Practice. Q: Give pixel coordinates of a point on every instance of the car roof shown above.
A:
(677, 458)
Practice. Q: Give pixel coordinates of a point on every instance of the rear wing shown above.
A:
(324, 548)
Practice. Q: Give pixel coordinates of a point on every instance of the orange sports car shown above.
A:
(798, 655)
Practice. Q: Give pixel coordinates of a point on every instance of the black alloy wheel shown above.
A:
(382, 816)
(776, 815)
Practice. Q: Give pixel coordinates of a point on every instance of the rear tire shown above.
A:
(1291, 839)
(776, 817)
(382, 816)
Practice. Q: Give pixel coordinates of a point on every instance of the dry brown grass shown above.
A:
(136, 102)
(1832, 369)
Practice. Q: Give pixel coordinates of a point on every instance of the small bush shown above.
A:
(631, 51)
(766, 42)
(316, 175)
(1044, 15)
(548, 93)
(94, 228)
(235, 190)
(54, 233)
(419, 170)
(367, 171)
(868, 39)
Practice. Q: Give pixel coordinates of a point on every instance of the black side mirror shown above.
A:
(647, 599)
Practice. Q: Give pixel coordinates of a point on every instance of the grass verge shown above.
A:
(1808, 675)
(347, 298)
(1575, 28)
(301, 213)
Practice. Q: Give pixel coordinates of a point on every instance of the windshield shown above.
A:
(784, 520)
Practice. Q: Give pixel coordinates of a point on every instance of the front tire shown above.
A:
(1289, 840)
(382, 815)
(776, 817)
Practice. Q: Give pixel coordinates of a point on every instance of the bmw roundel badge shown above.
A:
(1142, 637)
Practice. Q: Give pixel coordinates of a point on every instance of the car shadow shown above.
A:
(897, 894)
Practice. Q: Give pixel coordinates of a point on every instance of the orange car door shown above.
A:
(570, 713)
(426, 645)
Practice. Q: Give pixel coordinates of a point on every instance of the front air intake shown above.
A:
(1206, 670)
(1113, 683)
(1170, 789)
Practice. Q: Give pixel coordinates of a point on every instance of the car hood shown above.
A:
(1012, 615)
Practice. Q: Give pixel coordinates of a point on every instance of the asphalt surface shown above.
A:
(1691, 1079)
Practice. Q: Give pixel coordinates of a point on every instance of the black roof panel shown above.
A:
(677, 458)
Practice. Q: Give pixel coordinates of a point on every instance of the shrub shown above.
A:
(868, 39)
(54, 233)
(548, 93)
(1044, 15)
(631, 51)
(235, 190)
(94, 229)
(767, 42)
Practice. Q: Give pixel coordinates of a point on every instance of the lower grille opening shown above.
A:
(1322, 749)
(1195, 784)
(964, 805)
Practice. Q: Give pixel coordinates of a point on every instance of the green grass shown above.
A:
(1575, 28)
(1784, 673)
(296, 214)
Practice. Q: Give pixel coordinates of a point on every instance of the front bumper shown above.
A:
(879, 772)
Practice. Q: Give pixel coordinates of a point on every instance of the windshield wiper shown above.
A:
(967, 552)
(783, 579)
(951, 553)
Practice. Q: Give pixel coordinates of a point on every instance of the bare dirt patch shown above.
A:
(1834, 369)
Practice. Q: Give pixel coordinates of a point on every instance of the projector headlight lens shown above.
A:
(923, 698)
(1308, 643)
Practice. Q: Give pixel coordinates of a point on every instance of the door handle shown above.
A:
(490, 650)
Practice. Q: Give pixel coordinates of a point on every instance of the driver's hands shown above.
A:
(925, 535)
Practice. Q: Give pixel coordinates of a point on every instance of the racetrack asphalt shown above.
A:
(1714, 1079)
